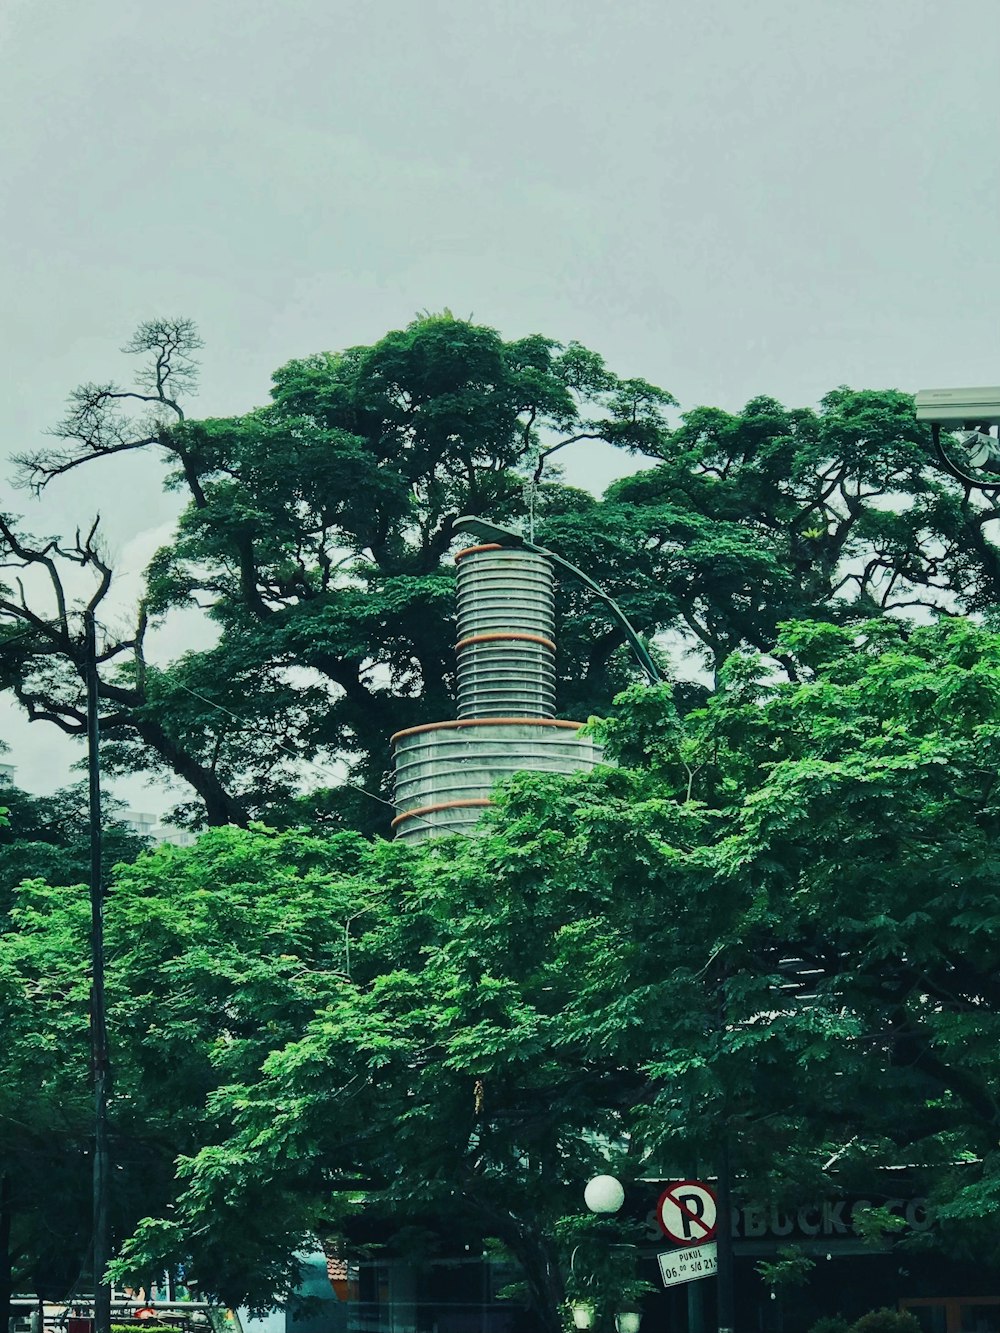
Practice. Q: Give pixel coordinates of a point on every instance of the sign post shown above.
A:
(688, 1212)
(725, 1303)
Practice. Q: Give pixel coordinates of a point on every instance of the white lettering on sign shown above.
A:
(830, 1219)
(688, 1265)
(916, 1215)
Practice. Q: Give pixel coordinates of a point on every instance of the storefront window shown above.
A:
(956, 1314)
(981, 1318)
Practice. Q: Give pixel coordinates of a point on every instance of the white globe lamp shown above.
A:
(604, 1194)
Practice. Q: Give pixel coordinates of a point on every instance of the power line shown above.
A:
(314, 763)
(245, 723)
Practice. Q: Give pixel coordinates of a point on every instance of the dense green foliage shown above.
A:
(45, 1103)
(319, 532)
(45, 1100)
(216, 956)
(887, 1321)
(317, 537)
(48, 838)
(322, 1024)
(775, 922)
(601, 975)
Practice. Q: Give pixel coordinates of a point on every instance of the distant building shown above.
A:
(140, 822)
(177, 837)
(445, 771)
(7, 772)
(149, 826)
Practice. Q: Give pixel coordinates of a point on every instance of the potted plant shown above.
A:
(628, 1304)
(582, 1313)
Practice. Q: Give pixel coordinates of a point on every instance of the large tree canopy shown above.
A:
(215, 957)
(319, 529)
(776, 922)
(316, 538)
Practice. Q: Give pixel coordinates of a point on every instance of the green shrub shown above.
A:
(887, 1321)
(141, 1326)
(834, 1323)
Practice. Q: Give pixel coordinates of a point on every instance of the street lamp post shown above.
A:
(603, 1195)
(492, 532)
(969, 413)
(98, 1017)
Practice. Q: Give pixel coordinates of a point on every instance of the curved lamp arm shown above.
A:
(479, 527)
(953, 469)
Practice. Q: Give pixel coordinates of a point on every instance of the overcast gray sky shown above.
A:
(728, 197)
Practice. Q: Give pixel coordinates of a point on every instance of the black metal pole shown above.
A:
(725, 1303)
(696, 1307)
(724, 1241)
(98, 1019)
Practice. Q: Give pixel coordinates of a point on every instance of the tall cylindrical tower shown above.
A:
(506, 626)
(444, 771)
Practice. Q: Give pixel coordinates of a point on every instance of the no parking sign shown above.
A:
(687, 1212)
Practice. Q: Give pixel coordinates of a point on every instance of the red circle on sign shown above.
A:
(687, 1212)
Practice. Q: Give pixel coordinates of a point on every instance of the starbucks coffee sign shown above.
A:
(830, 1219)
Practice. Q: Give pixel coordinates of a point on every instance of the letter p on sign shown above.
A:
(687, 1212)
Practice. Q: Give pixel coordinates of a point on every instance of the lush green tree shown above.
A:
(48, 838)
(320, 1025)
(771, 514)
(773, 925)
(319, 530)
(45, 1105)
(46, 1108)
(417, 1082)
(217, 955)
(316, 538)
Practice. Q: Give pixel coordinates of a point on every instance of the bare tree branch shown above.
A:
(97, 425)
(43, 664)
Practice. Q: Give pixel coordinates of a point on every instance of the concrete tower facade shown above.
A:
(444, 771)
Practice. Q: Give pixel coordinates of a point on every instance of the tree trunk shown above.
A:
(542, 1278)
(220, 807)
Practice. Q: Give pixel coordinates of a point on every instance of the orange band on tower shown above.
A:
(487, 722)
(506, 635)
(433, 809)
(471, 550)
